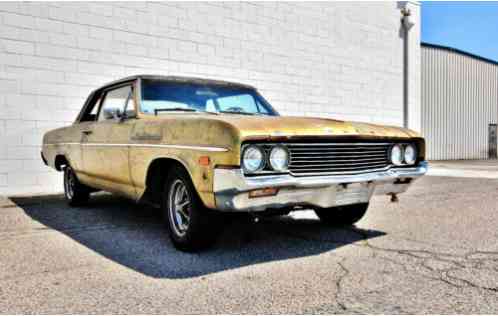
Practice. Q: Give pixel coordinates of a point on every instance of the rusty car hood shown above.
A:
(293, 126)
(231, 130)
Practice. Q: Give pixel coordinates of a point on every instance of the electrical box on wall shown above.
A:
(493, 140)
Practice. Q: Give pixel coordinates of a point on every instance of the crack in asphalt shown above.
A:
(474, 285)
(338, 284)
(421, 258)
(443, 274)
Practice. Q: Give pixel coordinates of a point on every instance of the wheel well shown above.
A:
(156, 175)
(60, 161)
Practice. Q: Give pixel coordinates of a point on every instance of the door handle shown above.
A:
(87, 132)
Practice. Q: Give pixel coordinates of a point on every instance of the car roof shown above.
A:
(176, 79)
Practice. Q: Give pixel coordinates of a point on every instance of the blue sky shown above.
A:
(468, 26)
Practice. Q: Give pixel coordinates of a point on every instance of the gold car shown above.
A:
(196, 148)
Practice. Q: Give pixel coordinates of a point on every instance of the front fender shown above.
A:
(142, 158)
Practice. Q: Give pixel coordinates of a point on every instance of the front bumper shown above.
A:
(231, 188)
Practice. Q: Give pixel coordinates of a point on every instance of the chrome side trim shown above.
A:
(191, 147)
(58, 144)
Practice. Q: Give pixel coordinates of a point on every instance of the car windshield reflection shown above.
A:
(160, 96)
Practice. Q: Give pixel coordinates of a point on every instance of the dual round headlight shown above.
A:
(254, 159)
(403, 154)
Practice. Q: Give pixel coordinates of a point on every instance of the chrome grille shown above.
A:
(337, 158)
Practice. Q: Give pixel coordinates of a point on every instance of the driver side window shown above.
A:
(115, 103)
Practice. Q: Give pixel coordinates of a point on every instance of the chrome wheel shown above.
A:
(191, 226)
(179, 207)
(69, 183)
(75, 192)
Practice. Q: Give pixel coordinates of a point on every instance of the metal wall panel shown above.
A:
(459, 101)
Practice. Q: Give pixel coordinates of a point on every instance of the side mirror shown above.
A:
(112, 113)
(128, 115)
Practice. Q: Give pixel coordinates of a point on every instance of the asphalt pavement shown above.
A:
(435, 251)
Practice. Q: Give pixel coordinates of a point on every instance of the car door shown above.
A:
(105, 145)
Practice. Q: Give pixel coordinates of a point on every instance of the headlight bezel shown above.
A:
(401, 155)
(267, 168)
(270, 154)
(414, 160)
(403, 161)
(243, 159)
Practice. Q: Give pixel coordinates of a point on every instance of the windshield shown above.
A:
(162, 96)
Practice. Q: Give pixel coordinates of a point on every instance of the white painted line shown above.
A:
(459, 173)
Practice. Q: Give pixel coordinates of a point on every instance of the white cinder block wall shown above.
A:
(341, 60)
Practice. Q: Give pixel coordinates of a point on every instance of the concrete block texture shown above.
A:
(340, 60)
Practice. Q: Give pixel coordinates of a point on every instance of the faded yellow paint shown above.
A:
(117, 155)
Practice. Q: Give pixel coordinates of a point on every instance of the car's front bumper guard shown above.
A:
(231, 188)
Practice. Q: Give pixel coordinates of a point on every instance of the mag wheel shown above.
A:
(179, 207)
(191, 225)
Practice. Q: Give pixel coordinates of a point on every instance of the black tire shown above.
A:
(342, 215)
(191, 225)
(75, 192)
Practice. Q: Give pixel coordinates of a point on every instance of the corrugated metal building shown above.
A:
(459, 104)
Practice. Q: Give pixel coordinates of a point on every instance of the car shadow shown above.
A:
(134, 236)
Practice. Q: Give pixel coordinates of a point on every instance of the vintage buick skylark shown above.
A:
(197, 148)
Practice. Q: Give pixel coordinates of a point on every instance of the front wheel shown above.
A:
(75, 192)
(191, 225)
(342, 215)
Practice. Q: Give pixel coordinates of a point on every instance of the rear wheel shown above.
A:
(75, 192)
(191, 225)
(342, 215)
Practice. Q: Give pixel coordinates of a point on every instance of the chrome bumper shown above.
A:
(231, 188)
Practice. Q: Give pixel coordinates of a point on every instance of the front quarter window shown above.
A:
(90, 111)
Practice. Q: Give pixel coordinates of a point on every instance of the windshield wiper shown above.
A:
(174, 109)
(237, 112)
(211, 112)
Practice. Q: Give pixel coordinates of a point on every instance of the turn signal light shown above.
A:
(204, 160)
(263, 192)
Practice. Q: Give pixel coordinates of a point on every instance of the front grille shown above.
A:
(337, 158)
